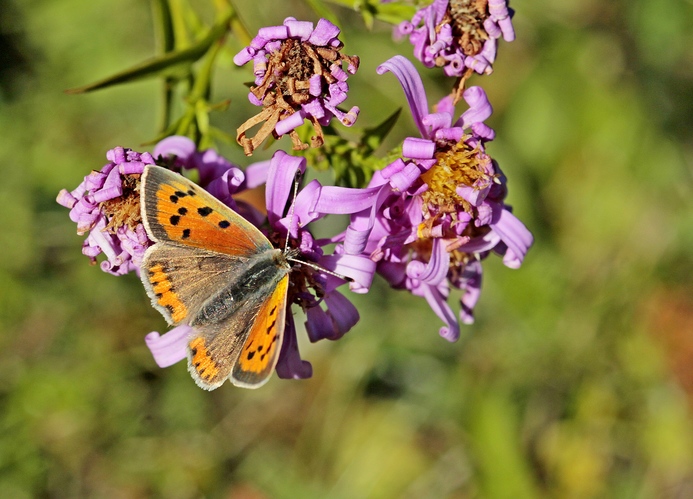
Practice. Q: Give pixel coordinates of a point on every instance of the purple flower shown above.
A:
(299, 75)
(440, 209)
(459, 35)
(106, 205)
(329, 313)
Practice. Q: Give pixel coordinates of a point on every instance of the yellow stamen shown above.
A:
(460, 165)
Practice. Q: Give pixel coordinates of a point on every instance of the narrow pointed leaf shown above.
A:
(323, 10)
(373, 137)
(171, 64)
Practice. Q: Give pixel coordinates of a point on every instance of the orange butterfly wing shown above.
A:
(261, 350)
(203, 247)
(176, 210)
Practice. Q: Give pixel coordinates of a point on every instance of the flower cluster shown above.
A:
(299, 75)
(106, 205)
(424, 223)
(440, 209)
(459, 35)
(311, 288)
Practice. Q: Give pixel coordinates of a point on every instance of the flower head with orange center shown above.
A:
(299, 74)
(439, 210)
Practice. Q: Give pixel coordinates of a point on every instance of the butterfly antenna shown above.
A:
(297, 180)
(321, 269)
(289, 253)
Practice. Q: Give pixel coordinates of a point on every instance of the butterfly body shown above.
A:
(213, 270)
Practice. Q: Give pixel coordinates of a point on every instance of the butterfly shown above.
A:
(216, 272)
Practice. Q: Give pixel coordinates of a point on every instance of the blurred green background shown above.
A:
(575, 381)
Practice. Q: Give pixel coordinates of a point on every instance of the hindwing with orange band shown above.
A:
(214, 271)
(261, 350)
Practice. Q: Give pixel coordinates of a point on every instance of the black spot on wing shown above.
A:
(174, 219)
(271, 326)
(186, 233)
(224, 224)
(191, 192)
(174, 198)
(204, 211)
(251, 355)
(182, 211)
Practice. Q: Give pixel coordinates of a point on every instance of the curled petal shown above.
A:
(315, 85)
(418, 148)
(290, 365)
(299, 29)
(256, 174)
(288, 124)
(133, 167)
(402, 30)
(473, 195)
(480, 244)
(357, 267)
(472, 291)
(436, 121)
(95, 180)
(413, 88)
(436, 270)
(506, 26)
(511, 260)
(324, 33)
(181, 147)
(439, 305)
(478, 63)
(483, 131)
(303, 208)
(343, 313)
(513, 232)
(66, 199)
(171, 347)
(498, 9)
(479, 107)
(280, 181)
(314, 108)
(344, 200)
(112, 187)
(393, 168)
(492, 28)
(337, 71)
(405, 178)
(244, 56)
(453, 134)
(318, 324)
(362, 223)
(273, 33)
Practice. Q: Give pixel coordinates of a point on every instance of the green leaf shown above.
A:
(322, 10)
(373, 137)
(162, 22)
(391, 13)
(174, 63)
(394, 13)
